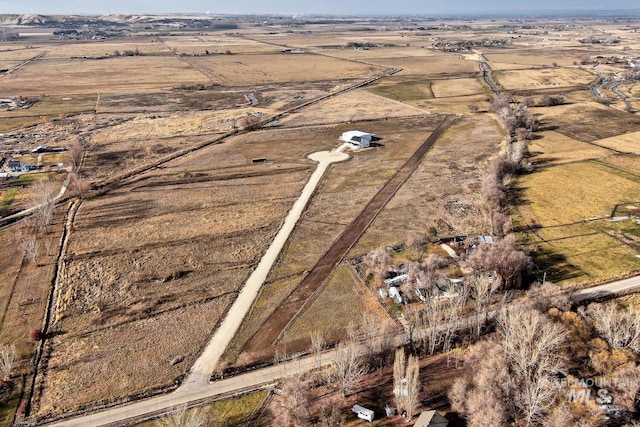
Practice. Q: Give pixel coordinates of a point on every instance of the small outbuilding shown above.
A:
(363, 413)
(431, 419)
(357, 139)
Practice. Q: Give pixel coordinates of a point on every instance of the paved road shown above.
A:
(621, 287)
(206, 363)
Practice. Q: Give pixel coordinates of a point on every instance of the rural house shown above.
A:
(356, 138)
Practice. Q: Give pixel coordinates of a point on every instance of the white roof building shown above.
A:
(356, 138)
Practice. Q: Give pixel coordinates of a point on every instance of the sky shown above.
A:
(334, 7)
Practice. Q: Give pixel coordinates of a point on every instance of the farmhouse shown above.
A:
(356, 138)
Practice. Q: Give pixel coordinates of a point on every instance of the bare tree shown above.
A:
(376, 263)
(413, 386)
(481, 291)
(250, 122)
(8, 358)
(620, 327)
(331, 417)
(415, 240)
(77, 185)
(534, 347)
(399, 381)
(29, 244)
(75, 153)
(292, 403)
(317, 345)
(42, 201)
(405, 382)
(369, 324)
(503, 258)
(513, 377)
(349, 368)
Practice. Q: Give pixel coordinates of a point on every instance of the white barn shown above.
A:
(356, 138)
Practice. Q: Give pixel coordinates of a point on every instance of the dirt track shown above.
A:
(261, 346)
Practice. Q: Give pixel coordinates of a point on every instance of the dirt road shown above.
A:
(261, 346)
(206, 363)
(226, 387)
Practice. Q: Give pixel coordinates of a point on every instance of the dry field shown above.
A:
(118, 74)
(154, 262)
(456, 87)
(347, 188)
(526, 58)
(379, 53)
(457, 105)
(340, 302)
(235, 70)
(577, 194)
(546, 78)
(570, 243)
(587, 121)
(181, 275)
(11, 58)
(443, 192)
(401, 88)
(440, 66)
(353, 106)
(216, 44)
(331, 40)
(236, 411)
(626, 143)
(144, 45)
(24, 290)
(552, 148)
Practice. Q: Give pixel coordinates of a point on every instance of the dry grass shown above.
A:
(271, 296)
(352, 106)
(627, 143)
(447, 180)
(551, 147)
(236, 411)
(570, 193)
(534, 57)
(402, 88)
(586, 121)
(16, 56)
(341, 301)
(440, 66)
(260, 69)
(125, 360)
(456, 87)
(629, 163)
(144, 45)
(216, 44)
(53, 106)
(122, 74)
(544, 78)
(457, 105)
(586, 254)
(568, 249)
